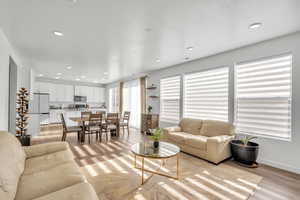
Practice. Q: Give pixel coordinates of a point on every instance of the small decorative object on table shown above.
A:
(21, 120)
(156, 136)
(244, 151)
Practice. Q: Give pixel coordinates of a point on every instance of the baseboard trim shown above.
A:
(280, 166)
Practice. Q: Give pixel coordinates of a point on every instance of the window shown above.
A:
(113, 99)
(263, 97)
(170, 99)
(132, 102)
(206, 94)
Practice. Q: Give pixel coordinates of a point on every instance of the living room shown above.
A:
(160, 100)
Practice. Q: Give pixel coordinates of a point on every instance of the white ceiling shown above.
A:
(126, 37)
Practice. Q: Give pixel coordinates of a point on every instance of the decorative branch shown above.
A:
(22, 110)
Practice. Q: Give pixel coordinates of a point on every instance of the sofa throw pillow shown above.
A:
(211, 128)
(191, 126)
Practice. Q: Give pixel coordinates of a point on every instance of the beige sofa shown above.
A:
(40, 172)
(207, 139)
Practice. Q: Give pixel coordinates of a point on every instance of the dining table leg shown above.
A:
(83, 132)
(118, 129)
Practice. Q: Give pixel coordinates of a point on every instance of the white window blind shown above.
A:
(263, 97)
(206, 94)
(170, 99)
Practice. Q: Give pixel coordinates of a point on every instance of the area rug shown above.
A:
(118, 179)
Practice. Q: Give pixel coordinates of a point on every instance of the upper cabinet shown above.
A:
(65, 93)
(61, 93)
(93, 94)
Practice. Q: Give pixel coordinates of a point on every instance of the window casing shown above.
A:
(263, 97)
(206, 94)
(170, 99)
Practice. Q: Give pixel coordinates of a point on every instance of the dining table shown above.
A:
(83, 121)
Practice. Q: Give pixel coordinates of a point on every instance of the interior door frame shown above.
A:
(12, 95)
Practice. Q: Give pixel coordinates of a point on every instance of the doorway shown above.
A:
(13, 79)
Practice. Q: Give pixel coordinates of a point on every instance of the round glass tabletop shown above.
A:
(146, 149)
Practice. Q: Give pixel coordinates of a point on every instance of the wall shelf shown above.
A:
(153, 96)
(152, 87)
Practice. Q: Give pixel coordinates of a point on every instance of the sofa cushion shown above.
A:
(177, 137)
(80, 191)
(40, 163)
(211, 128)
(46, 148)
(191, 126)
(12, 161)
(196, 141)
(44, 182)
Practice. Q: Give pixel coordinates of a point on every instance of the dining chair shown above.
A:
(94, 126)
(85, 114)
(111, 123)
(101, 112)
(124, 122)
(69, 129)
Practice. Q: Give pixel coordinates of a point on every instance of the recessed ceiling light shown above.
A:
(77, 79)
(58, 33)
(59, 74)
(82, 76)
(157, 60)
(41, 75)
(57, 77)
(69, 67)
(190, 48)
(255, 25)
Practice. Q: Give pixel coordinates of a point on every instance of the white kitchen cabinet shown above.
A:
(43, 87)
(68, 93)
(101, 95)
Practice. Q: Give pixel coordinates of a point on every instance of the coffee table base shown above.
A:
(157, 170)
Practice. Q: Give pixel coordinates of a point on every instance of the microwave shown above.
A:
(82, 99)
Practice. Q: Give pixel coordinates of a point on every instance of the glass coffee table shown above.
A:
(145, 150)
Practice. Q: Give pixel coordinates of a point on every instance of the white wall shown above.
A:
(281, 154)
(6, 50)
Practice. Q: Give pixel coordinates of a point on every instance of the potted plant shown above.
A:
(149, 109)
(156, 136)
(244, 151)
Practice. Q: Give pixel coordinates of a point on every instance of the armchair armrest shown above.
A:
(43, 149)
(218, 147)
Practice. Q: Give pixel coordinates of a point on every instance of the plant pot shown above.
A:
(24, 140)
(156, 144)
(246, 154)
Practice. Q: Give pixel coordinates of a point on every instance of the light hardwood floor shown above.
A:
(276, 183)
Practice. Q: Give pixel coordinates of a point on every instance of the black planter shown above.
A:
(156, 144)
(24, 140)
(244, 154)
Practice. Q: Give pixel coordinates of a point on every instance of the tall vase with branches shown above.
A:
(21, 120)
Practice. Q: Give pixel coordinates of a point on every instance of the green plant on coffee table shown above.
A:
(247, 139)
(157, 134)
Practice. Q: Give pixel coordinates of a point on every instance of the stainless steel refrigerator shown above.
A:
(38, 112)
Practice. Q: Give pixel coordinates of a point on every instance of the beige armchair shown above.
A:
(207, 139)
